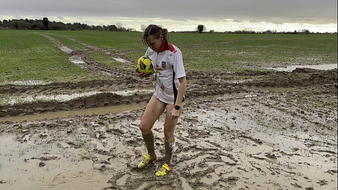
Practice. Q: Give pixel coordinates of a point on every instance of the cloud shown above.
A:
(279, 11)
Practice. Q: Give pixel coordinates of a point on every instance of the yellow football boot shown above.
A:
(164, 170)
(147, 160)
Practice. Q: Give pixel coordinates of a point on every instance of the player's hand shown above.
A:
(175, 113)
(144, 75)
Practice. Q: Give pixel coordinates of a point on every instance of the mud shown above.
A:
(249, 130)
(231, 142)
(74, 113)
(98, 100)
(59, 88)
(67, 97)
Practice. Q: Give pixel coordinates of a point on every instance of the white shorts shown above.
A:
(164, 96)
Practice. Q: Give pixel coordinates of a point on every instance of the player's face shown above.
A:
(154, 43)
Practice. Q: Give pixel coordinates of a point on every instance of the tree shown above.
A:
(112, 28)
(200, 28)
(306, 31)
(45, 22)
(16, 25)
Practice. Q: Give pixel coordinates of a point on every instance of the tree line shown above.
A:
(201, 28)
(45, 24)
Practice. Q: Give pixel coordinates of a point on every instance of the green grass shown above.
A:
(68, 42)
(225, 52)
(25, 55)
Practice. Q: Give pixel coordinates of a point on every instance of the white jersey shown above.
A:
(168, 66)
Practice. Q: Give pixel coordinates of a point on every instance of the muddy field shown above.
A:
(250, 130)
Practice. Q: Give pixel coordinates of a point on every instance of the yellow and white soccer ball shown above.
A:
(144, 65)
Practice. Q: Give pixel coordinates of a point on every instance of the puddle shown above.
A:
(83, 112)
(133, 92)
(233, 81)
(77, 60)
(27, 82)
(118, 59)
(293, 67)
(65, 49)
(21, 168)
(59, 98)
(67, 97)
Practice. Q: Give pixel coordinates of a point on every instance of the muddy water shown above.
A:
(12, 100)
(58, 97)
(65, 49)
(121, 60)
(82, 112)
(27, 83)
(132, 92)
(77, 60)
(293, 67)
(27, 165)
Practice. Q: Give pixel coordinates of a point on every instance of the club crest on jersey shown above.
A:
(164, 64)
(158, 68)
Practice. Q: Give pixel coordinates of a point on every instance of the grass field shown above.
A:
(25, 55)
(225, 51)
(28, 56)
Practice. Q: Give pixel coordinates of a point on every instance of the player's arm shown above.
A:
(181, 91)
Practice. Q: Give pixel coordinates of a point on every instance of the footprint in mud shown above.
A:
(134, 142)
(255, 140)
(135, 178)
(144, 179)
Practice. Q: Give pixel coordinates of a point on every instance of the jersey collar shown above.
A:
(163, 47)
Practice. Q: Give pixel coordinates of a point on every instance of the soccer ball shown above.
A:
(144, 65)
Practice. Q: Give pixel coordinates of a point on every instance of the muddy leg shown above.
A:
(153, 111)
(169, 130)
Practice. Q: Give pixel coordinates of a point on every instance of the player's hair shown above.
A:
(156, 31)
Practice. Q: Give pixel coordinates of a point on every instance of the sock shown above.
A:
(169, 150)
(149, 141)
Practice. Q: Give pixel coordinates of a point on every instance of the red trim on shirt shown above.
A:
(170, 47)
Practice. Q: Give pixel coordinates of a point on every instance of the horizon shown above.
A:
(286, 27)
(178, 15)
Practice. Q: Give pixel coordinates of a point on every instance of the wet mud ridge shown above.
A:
(99, 100)
(200, 85)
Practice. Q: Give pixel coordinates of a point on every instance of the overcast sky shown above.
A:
(183, 14)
